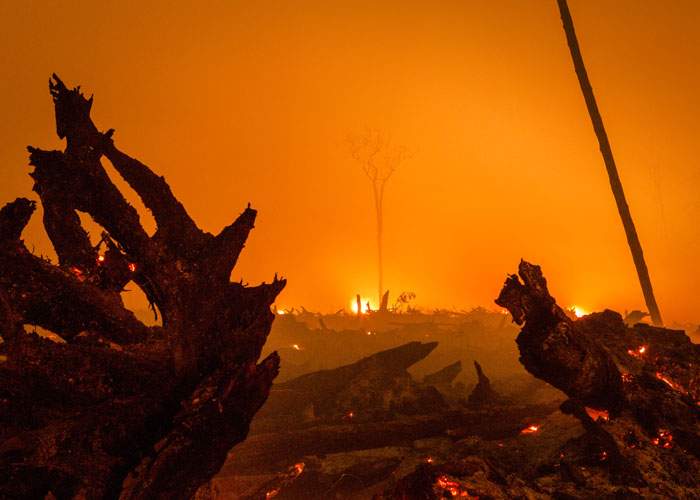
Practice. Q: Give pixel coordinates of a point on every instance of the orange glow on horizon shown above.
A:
(365, 309)
(578, 311)
(483, 93)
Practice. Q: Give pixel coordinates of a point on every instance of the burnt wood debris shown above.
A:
(108, 407)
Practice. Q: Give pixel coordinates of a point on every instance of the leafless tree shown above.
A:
(379, 159)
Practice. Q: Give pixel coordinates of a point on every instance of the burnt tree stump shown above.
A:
(114, 408)
(645, 379)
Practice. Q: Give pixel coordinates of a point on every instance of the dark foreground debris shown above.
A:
(629, 428)
(109, 407)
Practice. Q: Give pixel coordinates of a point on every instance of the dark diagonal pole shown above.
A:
(615, 183)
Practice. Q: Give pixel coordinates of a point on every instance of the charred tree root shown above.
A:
(119, 409)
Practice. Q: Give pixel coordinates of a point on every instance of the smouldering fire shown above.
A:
(367, 305)
(664, 439)
(298, 469)
(673, 385)
(530, 429)
(637, 353)
(451, 487)
(293, 473)
(596, 414)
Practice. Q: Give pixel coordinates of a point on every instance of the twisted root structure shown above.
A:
(110, 407)
(635, 389)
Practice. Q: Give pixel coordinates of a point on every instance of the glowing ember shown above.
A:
(132, 267)
(664, 439)
(429, 460)
(281, 312)
(349, 415)
(296, 347)
(298, 469)
(603, 456)
(272, 493)
(596, 414)
(638, 353)
(367, 305)
(627, 378)
(371, 333)
(78, 273)
(452, 487)
(530, 429)
(673, 385)
(100, 258)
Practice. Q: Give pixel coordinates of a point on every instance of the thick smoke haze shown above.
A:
(237, 102)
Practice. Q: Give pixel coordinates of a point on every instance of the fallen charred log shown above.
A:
(444, 376)
(377, 387)
(116, 408)
(272, 451)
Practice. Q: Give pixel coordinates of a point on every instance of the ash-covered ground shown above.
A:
(440, 405)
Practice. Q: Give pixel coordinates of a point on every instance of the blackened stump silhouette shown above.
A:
(117, 409)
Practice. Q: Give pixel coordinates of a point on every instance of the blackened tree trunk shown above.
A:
(605, 149)
(117, 409)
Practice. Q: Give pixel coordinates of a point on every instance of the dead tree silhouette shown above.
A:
(116, 409)
(379, 159)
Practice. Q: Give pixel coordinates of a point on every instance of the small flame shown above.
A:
(100, 258)
(367, 305)
(132, 267)
(578, 311)
(530, 429)
(281, 312)
(296, 347)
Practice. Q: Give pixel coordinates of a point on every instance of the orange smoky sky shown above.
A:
(253, 101)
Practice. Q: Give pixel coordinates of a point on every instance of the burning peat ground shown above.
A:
(440, 405)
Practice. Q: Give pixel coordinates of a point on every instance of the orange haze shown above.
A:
(252, 101)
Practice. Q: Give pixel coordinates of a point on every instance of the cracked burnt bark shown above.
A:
(118, 409)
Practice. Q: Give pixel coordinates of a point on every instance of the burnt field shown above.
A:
(444, 405)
